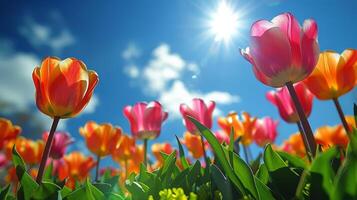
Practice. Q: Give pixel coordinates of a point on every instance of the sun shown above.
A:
(224, 22)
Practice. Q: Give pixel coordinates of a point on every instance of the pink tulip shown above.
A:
(282, 100)
(145, 119)
(59, 144)
(265, 131)
(281, 51)
(200, 111)
(222, 136)
(3, 160)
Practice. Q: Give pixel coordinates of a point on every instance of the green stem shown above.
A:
(204, 150)
(304, 140)
(97, 169)
(145, 151)
(46, 152)
(305, 124)
(341, 114)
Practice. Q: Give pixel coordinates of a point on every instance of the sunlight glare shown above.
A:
(224, 22)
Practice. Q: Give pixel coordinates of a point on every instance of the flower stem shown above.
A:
(341, 114)
(204, 150)
(145, 151)
(304, 140)
(246, 154)
(126, 168)
(307, 134)
(97, 169)
(46, 152)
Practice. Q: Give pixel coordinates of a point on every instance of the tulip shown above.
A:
(101, 139)
(282, 100)
(63, 89)
(192, 143)
(59, 144)
(201, 112)
(282, 53)
(145, 121)
(222, 136)
(29, 150)
(76, 167)
(125, 149)
(328, 136)
(3, 160)
(333, 77)
(265, 131)
(8, 131)
(159, 148)
(294, 145)
(351, 122)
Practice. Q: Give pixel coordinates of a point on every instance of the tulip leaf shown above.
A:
(285, 179)
(292, 160)
(217, 148)
(5, 192)
(86, 191)
(231, 140)
(48, 172)
(194, 172)
(262, 174)
(245, 175)
(138, 190)
(65, 191)
(182, 154)
(263, 190)
(28, 185)
(46, 190)
(322, 174)
(222, 182)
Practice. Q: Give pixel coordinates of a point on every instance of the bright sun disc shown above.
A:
(224, 22)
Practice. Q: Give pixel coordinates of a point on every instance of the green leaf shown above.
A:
(245, 175)
(322, 175)
(86, 192)
(217, 148)
(137, 190)
(194, 173)
(264, 191)
(222, 182)
(283, 178)
(262, 174)
(65, 191)
(292, 160)
(28, 185)
(5, 192)
(48, 172)
(256, 163)
(345, 184)
(231, 140)
(46, 190)
(182, 154)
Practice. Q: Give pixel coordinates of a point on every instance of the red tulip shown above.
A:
(59, 144)
(281, 51)
(265, 131)
(145, 119)
(282, 100)
(200, 111)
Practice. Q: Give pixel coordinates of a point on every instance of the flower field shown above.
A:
(284, 55)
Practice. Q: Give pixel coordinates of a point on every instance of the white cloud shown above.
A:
(44, 36)
(132, 71)
(178, 93)
(163, 76)
(131, 52)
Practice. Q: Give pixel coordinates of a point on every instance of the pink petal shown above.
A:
(271, 52)
(309, 46)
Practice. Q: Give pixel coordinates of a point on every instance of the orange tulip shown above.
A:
(351, 122)
(328, 136)
(294, 145)
(157, 148)
(76, 167)
(334, 74)
(8, 131)
(125, 149)
(193, 144)
(244, 127)
(29, 150)
(63, 87)
(101, 139)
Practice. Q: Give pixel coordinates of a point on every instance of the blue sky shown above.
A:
(153, 50)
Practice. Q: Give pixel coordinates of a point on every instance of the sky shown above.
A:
(154, 50)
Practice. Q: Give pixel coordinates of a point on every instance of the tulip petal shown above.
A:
(291, 27)
(269, 62)
(309, 46)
